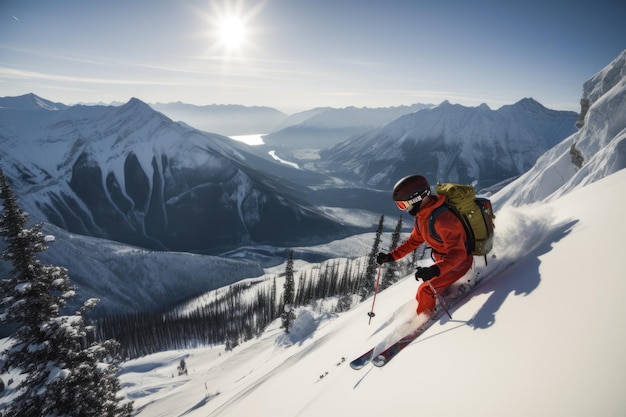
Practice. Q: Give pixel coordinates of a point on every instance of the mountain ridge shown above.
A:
(452, 143)
(130, 174)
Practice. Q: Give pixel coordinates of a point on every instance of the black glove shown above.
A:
(383, 257)
(427, 273)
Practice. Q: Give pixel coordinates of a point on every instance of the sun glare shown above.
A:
(229, 26)
(232, 32)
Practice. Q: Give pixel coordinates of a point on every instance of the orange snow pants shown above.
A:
(425, 297)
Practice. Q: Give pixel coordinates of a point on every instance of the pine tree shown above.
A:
(273, 301)
(390, 275)
(369, 281)
(287, 315)
(62, 376)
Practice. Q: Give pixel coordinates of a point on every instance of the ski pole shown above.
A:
(441, 301)
(371, 313)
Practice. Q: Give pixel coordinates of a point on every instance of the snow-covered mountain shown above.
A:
(324, 127)
(598, 149)
(541, 335)
(453, 143)
(30, 102)
(130, 174)
(227, 120)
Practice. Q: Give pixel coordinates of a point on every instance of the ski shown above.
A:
(461, 291)
(362, 360)
(389, 353)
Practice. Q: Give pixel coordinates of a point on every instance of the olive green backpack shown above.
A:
(475, 213)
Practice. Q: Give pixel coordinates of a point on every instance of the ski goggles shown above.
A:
(405, 205)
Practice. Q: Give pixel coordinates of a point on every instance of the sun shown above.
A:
(232, 32)
(230, 26)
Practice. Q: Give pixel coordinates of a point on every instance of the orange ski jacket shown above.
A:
(449, 253)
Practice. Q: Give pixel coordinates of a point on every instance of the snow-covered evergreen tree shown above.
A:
(287, 315)
(369, 281)
(390, 275)
(273, 300)
(61, 376)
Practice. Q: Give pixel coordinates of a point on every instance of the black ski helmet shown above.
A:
(409, 190)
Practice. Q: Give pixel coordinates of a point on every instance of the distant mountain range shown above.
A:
(227, 120)
(324, 127)
(452, 143)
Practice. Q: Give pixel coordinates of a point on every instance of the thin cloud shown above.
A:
(10, 73)
(53, 55)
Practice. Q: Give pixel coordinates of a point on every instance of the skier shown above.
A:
(452, 260)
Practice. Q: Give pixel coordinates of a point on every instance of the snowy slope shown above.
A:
(132, 279)
(541, 336)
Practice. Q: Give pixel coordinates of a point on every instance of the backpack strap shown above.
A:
(470, 241)
(431, 222)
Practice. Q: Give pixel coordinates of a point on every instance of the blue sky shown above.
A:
(298, 54)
